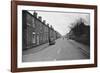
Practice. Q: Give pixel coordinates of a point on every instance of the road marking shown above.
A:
(55, 60)
(58, 51)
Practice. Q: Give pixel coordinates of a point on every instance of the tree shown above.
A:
(80, 32)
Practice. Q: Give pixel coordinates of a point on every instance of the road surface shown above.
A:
(63, 49)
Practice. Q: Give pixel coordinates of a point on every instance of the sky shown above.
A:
(61, 21)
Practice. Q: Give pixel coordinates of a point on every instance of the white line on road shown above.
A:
(58, 51)
(54, 59)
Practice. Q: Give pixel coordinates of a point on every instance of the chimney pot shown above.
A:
(44, 21)
(35, 14)
(40, 18)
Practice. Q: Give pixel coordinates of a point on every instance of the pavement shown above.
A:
(84, 48)
(63, 49)
(35, 49)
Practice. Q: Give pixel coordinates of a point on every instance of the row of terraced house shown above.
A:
(35, 31)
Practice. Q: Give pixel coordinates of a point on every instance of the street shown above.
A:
(64, 49)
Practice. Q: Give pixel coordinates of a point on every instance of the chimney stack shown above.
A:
(35, 14)
(44, 21)
(51, 26)
(48, 24)
(40, 18)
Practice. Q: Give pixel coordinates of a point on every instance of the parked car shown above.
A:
(51, 41)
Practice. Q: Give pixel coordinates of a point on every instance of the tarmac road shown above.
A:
(63, 49)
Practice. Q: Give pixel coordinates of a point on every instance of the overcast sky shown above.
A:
(62, 20)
